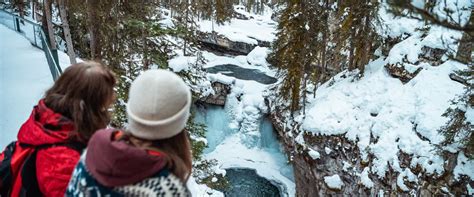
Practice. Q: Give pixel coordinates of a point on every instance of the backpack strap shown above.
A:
(6, 174)
(29, 185)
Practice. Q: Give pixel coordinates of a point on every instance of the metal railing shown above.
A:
(34, 33)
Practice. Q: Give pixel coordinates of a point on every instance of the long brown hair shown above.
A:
(177, 151)
(83, 93)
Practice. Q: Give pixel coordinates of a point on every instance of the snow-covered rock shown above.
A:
(334, 181)
(314, 154)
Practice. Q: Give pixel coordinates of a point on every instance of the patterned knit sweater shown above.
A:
(164, 183)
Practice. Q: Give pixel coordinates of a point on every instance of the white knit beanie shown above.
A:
(158, 105)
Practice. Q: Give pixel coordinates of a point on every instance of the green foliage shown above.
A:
(288, 50)
(205, 174)
(459, 129)
(197, 132)
(310, 47)
(130, 37)
(202, 168)
(357, 34)
(18, 6)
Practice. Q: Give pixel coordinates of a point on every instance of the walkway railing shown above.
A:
(35, 34)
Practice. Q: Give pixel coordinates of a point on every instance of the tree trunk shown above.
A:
(186, 27)
(146, 61)
(466, 46)
(351, 50)
(67, 32)
(464, 53)
(49, 24)
(93, 25)
(21, 7)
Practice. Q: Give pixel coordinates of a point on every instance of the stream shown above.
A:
(248, 149)
(242, 73)
(244, 181)
(247, 183)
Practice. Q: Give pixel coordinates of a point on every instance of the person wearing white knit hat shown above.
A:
(152, 157)
(158, 105)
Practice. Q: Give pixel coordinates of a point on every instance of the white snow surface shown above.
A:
(259, 27)
(401, 117)
(389, 110)
(314, 154)
(200, 190)
(464, 167)
(24, 77)
(365, 179)
(334, 181)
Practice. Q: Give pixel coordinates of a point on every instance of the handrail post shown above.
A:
(54, 53)
(17, 24)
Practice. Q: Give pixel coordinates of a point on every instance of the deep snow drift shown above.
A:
(383, 116)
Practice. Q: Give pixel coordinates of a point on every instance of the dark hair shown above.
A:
(83, 93)
(178, 152)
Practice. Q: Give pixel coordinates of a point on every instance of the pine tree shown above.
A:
(288, 52)
(356, 33)
(20, 7)
(223, 11)
(459, 129)
(301, 49)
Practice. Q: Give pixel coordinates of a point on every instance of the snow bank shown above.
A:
(400, 117)
(180, 63)
(199, 190)
(464, 167)
(249, 31)
(257, 56)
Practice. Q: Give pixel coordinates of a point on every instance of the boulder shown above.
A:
(219, 97)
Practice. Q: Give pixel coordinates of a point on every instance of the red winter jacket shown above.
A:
(54, 165)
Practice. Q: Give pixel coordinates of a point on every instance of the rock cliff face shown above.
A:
(220, 94)
(399, 71)
(339, 156)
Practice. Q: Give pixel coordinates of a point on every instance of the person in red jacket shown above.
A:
(50, 142)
